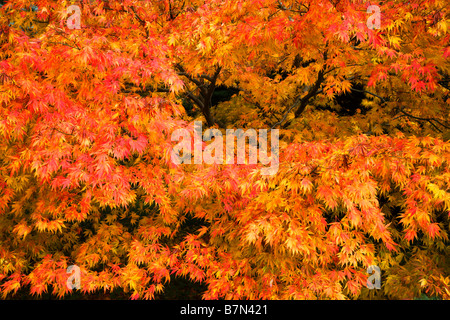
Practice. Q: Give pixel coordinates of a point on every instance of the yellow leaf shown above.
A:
(423, 282)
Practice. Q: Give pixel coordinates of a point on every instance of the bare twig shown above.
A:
(371, 93)
(430, 120)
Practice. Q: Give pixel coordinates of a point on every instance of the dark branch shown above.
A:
(301, 102)
(430, 120)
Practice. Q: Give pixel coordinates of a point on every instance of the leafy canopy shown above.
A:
(86, 177)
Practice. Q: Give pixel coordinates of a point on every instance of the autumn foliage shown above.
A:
(86, 177)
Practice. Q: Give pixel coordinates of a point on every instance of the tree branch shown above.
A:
(203, 101)
(430, 120)
(141, 21)
(371, 93)
(301, 102)
(196, 100)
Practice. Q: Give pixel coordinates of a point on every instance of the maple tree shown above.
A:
(87, 115)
